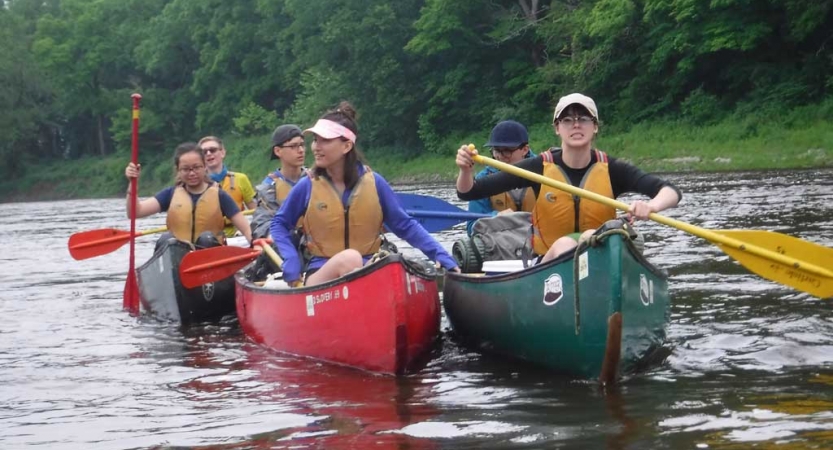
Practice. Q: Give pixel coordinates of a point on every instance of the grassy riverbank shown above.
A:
(800, 139)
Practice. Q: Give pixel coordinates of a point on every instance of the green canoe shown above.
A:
(614, 321)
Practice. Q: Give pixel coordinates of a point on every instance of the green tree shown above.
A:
(484, 60)
(86, 47)
(355, 46)
(25, 99)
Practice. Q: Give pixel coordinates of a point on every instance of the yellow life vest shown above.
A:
(233, 188)
(558, 213)
(230, 186)
(187, 221)
(282, 188)
(505, 200)
(330, 228)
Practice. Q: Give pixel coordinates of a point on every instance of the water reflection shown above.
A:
(750, 363)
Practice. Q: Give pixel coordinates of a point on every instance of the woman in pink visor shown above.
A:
(344, 206)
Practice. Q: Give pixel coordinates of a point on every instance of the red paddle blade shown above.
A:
(88, 244)
(131, 294)
(213, 264)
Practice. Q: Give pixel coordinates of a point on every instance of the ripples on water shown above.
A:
(751, 362)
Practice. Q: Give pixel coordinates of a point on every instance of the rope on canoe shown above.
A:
(593, 241)
(378, 256)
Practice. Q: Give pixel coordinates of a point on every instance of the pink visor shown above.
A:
(328, 129)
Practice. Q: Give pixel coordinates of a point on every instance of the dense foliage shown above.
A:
(417, 70)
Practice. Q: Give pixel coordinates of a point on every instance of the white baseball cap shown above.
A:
(575, 98)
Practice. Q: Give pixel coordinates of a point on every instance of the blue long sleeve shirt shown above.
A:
(395, 219)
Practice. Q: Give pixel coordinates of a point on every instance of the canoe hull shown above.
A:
(380, 318)
(618, 321)
(163, 296)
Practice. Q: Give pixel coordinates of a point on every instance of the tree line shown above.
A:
(417, 70)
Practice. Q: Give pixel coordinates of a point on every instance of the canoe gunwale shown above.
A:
(506, 276)
(413, 267)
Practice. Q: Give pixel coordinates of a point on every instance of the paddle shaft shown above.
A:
(92, 243)
(272, 254)
(461, 215)
(118, 237)
(131, 294)
(697, 231)
(215, 263)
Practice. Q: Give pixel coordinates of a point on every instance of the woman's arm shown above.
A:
(407, 228)
(629, 178)
(242, 223)
(145, 207)
(284, 222)
(500, 182)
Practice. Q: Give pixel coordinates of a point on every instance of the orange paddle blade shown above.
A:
(213, 264)
(88, 244)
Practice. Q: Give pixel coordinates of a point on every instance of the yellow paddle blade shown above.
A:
(799, 278)
(810, 281)
(786, 245)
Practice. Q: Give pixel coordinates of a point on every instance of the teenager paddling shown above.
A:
(196, 205)
(556, 226)
(343, 201)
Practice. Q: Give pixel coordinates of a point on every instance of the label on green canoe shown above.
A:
(583, 266)
(646, 290)
(553, 289)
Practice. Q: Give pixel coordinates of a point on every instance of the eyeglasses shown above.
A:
(195, 169)
(210, 150)
(503, 151)
(581, 120)
(297, 146)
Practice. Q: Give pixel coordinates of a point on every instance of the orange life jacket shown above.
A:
(230, 186)
(330, 228)
(558, 213)
(505, 200)
(187, 221)
(282, 188)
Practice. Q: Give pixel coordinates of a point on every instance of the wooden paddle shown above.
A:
(88, 244)
(774, 256)
(215, 263)
(131, 287)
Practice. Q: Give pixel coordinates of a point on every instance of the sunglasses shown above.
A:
(210, 150)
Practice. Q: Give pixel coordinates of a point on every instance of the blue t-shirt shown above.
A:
(227, 204)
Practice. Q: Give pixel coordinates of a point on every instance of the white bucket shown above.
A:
(237, 241)
(498, 267)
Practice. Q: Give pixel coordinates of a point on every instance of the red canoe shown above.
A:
(380, 318)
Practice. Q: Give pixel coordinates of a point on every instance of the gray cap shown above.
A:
(282, 134)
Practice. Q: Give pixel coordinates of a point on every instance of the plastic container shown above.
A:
(498, 267)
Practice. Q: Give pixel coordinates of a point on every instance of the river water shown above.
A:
(750, 362)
